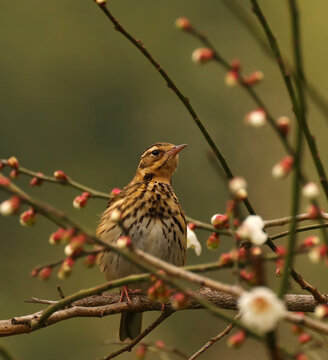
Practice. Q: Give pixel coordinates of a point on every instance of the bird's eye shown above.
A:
(155, 152)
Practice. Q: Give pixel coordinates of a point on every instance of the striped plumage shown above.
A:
(151, 213)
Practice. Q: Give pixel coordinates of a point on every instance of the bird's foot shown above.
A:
(125, 293)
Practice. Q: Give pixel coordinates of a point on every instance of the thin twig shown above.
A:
(213, 340)
(300, 229)
(68, 182)
(298, 113)
(288, 219)
(289, 258)
(164, 315)
(244, 17)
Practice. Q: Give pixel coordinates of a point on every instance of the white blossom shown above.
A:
(115, 215)
(256, 118)
(252, 230)
(192, 242)
(238, 187)
(261, 309)
(321, 311)
(6, 208)
(311, 190)
(314, 255)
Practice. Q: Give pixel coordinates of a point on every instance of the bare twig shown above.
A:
(68, 182)
(213, 340)
(164, 315)
(244, 17)
(298, 114)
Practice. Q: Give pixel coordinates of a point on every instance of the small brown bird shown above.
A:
(153, 217)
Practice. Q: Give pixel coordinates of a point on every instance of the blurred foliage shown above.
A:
(75, 95)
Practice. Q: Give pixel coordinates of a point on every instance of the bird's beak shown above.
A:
(176, 149)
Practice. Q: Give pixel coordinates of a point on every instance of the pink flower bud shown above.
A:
(13, 162)
(4, 181)
(304, 338)
(237, 339)
(63, 274)
(321, 311)
(56, 236)
(254, 78)
(115, 192)
(80, 201)
(247, 276)
(213, 241)
(230, 206)
(66, 268)
(202, 55)
(141, 352)
(179, 301)
(151, 293)
(242, 253)
(311, 241)
(76, 243)
(90, 260)
(281, 251)
(283, 168)
(10, 206)
(235, 65)
(45, 273)
(192, 226)
(28, 218)
(279, 271)
(14, 173)
(231, 78)
(225, 259)
(255, 118)
(219, 221)
(256, 251)
(123, 242)
(283, 124)
(238, 188)
(68, 263)
(60, 175)
(182, 23)
(314, 212)
(36, 181)
(34, 272)
(101, 2)
(160, 344)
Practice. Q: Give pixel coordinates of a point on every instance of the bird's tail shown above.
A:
(130, 326)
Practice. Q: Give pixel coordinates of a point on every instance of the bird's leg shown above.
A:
(125, 293)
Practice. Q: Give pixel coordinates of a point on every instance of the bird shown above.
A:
(151, 215)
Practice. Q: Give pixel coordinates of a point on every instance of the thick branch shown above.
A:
(108, 304)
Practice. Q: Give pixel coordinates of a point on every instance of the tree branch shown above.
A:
(108, 304)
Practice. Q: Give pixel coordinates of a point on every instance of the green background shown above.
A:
(77, 96)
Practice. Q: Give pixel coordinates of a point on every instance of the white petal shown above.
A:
(261, 309)
(254, 225)
(192, 242)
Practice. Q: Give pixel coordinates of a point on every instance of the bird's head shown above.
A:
(159, 161)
